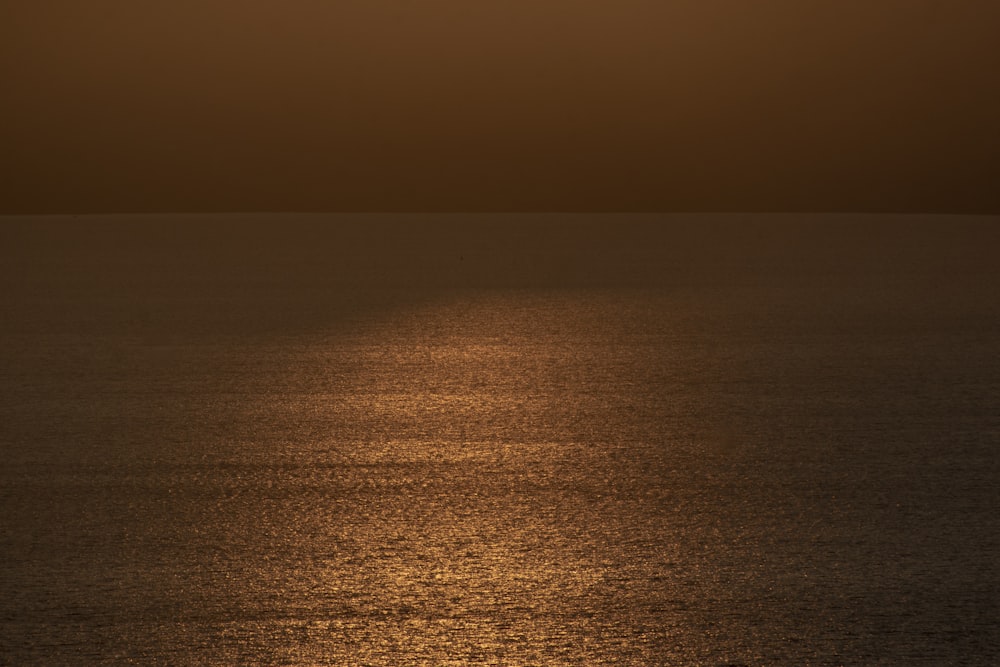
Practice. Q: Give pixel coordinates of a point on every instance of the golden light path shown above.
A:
(475, 495)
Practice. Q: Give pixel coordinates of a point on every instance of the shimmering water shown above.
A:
(731, 468)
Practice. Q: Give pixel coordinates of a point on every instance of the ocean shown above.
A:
(500, 440)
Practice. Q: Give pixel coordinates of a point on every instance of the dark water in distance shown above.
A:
(678, 442)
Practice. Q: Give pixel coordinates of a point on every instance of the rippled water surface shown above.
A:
(706, 473)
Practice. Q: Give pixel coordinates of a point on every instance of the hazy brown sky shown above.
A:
(222, 105)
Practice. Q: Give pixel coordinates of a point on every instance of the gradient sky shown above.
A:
(453, 105)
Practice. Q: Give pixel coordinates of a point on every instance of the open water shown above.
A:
(660, 451)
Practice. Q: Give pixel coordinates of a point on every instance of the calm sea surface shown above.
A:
(203, 466)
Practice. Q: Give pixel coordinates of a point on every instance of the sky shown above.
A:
(523, 105)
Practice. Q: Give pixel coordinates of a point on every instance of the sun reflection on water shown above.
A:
(481, 497)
